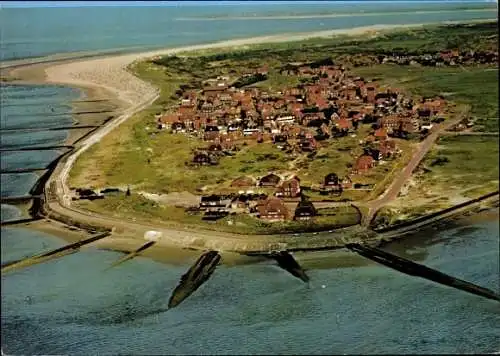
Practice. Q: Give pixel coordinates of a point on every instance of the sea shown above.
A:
(73, 305)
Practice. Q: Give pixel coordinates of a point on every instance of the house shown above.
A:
(215, 147)
(178, 127)
(289, 188)
(363, 164)
(331, 180)
(387, 148)
(166, 121)
(270, 180)
(380, 134)
(332, 183)
(373, 152)
(211, 133)
(272, 210)
(241, 201)
(343, 125)
(305, 210)
(244, 181)
(409, 125)
(203, 159)
(214, 202)
(346, 183)
(308, 144)
(390, 123)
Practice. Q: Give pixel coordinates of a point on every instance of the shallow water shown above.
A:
(105, 28)
(71, 306)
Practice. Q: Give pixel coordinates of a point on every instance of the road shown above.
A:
(394, 188)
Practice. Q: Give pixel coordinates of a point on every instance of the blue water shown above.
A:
(106, 28)
(71, 306)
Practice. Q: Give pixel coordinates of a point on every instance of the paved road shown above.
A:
(395, 187)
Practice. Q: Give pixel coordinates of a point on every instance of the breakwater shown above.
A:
(433, 217)
(198, 274)
(415, 269)
(56, 253)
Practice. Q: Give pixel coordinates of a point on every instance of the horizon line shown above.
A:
(73, 4)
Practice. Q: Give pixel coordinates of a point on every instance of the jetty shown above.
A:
(198, 274)
(36, 129)
(22, 170)
(133, 254)
(53, 254)
(19, 199)
(289, 264)
(415, 269)
(37, 148)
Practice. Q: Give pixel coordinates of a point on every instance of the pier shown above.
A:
(19, 221)
(59, 128)
(53, 254)
(37, 148)
(22, 170)
(415, 269)
(133, 254)
(198, 274)
(19, 199)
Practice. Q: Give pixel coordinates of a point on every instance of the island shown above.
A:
(345, 134)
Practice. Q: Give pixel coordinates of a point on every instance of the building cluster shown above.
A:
(329, 103)
(446, 58)
(283, 203)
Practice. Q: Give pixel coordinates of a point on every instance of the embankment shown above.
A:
(391, 232)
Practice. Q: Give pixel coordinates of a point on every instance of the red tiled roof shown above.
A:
(344, 124)
(364, 162)
(169, 118)
(380, 133)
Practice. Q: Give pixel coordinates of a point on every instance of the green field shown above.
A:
(462, 161)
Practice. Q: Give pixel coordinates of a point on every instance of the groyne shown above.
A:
(436, 216)
(132, 254)
(37, 148)
(56, 253)
(198, 274)
(415, 269)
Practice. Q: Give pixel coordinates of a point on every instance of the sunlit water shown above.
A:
(71, 306)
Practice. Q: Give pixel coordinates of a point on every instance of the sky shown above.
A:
(174, 3)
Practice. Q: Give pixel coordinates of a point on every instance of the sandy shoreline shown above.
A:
(108, 76)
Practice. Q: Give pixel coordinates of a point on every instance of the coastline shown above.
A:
(110, 75)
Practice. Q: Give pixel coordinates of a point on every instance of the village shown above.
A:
(227, 115)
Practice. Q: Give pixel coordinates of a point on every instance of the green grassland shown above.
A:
(463, 165)
(462, 161)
